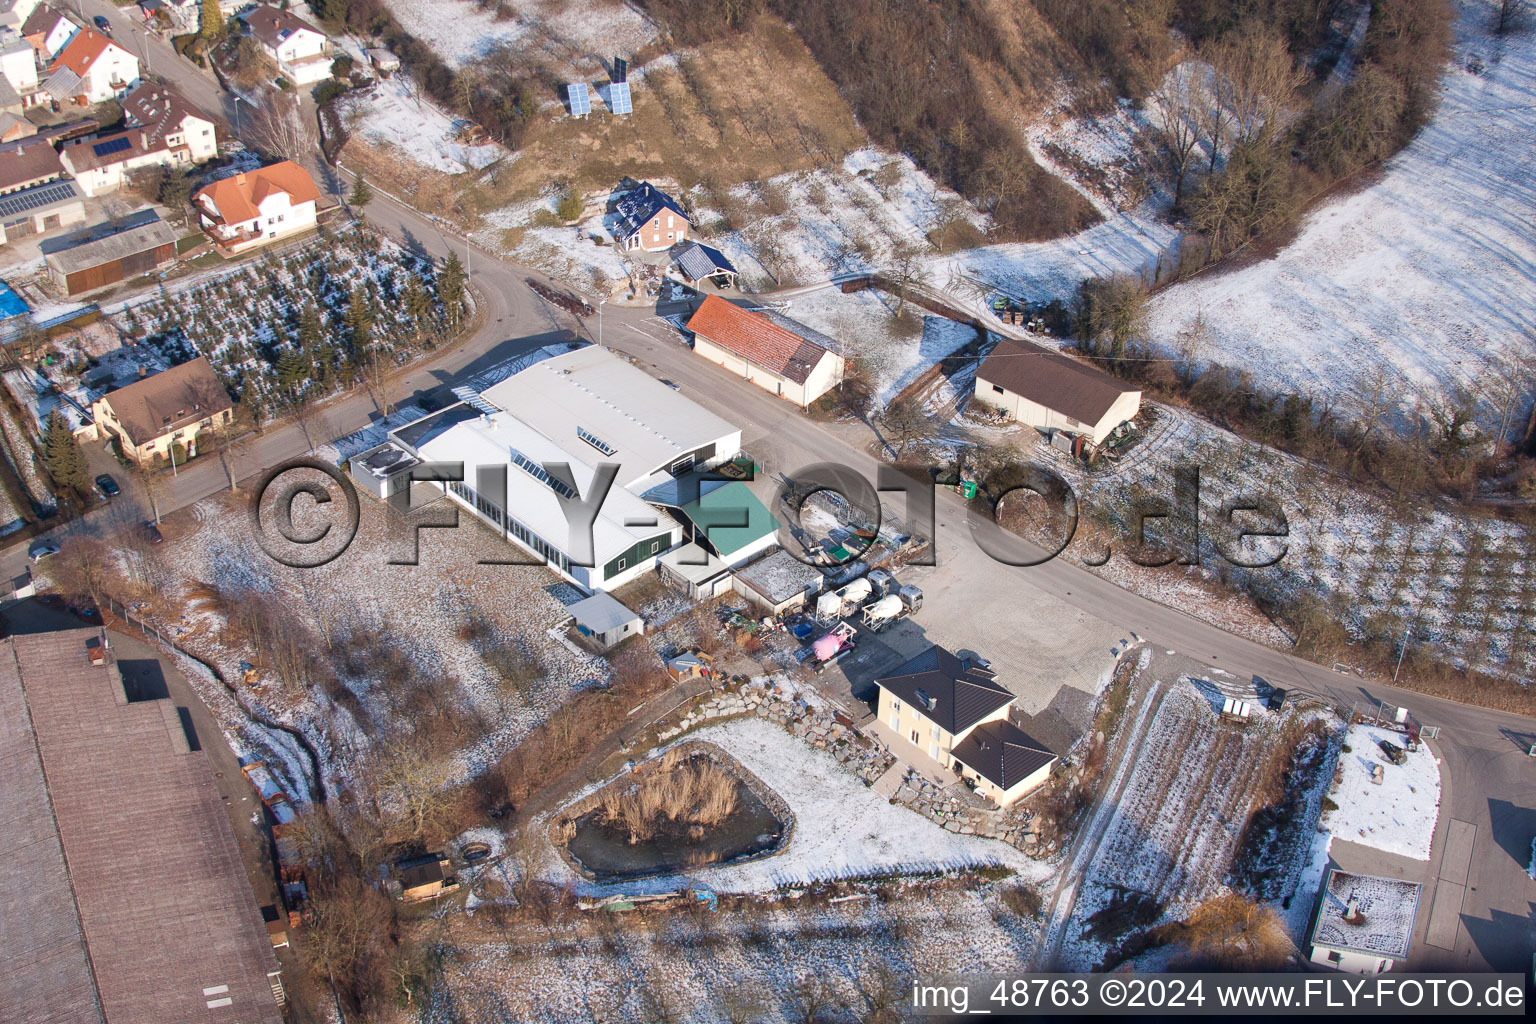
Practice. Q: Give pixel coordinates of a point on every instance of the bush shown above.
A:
(569, 208)
(1022, 900)
(283, 83)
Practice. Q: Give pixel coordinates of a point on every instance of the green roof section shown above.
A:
(731, 517)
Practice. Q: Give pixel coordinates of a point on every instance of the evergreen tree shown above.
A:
(310, 330)
(450, 286)
(360, 196)
(415, 299)
(292, 370)
(359, 319)
(63, 457)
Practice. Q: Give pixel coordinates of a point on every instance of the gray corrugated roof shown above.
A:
(61, 85)
(113, 247)
(699, 261)
(601, 612)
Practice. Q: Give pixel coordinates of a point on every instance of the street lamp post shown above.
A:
(237, 114)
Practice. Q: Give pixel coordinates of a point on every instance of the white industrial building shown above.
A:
(575, 410)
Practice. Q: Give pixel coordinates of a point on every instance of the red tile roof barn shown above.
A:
(756, 339)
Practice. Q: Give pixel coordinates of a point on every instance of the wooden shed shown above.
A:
(112, 259)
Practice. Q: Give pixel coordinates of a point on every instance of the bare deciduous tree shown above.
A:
(1511, 16)
(1255, 79)
(1182, 102)
(279, 128)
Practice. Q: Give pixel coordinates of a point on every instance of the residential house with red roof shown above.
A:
(91, 69)
(258, 207)
(777, 354)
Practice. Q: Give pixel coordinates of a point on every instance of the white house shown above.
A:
(13, 15)
(166, 116)
(577, 410)
(257, 207)
(775, 353)
(91, 69)
(48, 32)
(102, 164)
(302, 52)
(954, 710)
(1051, 391)
(1364, 922)
(18, 64)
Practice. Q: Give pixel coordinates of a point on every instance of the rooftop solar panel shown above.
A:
(33, 198)
(111, 146)
(581, 103)
(618, 98)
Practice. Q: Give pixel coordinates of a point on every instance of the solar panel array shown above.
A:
(111, 146)
(33, 198)
(620, 69)
(618, 98)
(471, 398)
(581, 103)
(540, 474)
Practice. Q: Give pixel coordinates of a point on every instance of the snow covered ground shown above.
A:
(460, 31)
(395, 113)
(1397, 816)
(1429, 273)
(842, 827)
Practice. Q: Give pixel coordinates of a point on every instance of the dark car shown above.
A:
(152, 533)
(108, 486)
(102, 24)
(41, 549)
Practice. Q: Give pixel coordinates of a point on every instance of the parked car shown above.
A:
(152, 532)
(103, 25)
(41, 549)
(108, 486)
(671, 384)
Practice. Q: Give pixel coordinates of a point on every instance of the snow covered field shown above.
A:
(460, 31)
(842, 827)
(395, 113)
(1429, 273)
(1397, 816)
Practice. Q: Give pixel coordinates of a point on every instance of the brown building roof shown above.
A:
(272, 25)
(44, 974)
(756, 339)
(1052, 379)
(41, 21)
(28, 162)
(951, 693)
(170, 922)
(169, 400)
(237, 197)
(159, 109)
(106, 150)
(1002, 753)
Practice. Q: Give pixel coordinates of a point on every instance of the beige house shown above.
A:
(775, 353)
(954, 710)
(174, 407)
(1051, 391)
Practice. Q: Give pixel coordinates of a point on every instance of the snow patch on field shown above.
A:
(459, 31)
(1430, 273)
(1397, 816)
(842, 827)
(395, 113)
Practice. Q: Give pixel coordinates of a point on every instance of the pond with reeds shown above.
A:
(689, 808)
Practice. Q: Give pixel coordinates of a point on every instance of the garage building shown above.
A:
(115, 258)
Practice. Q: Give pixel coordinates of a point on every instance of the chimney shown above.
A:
(143, 371)
(240, 178)
(1352, 913)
